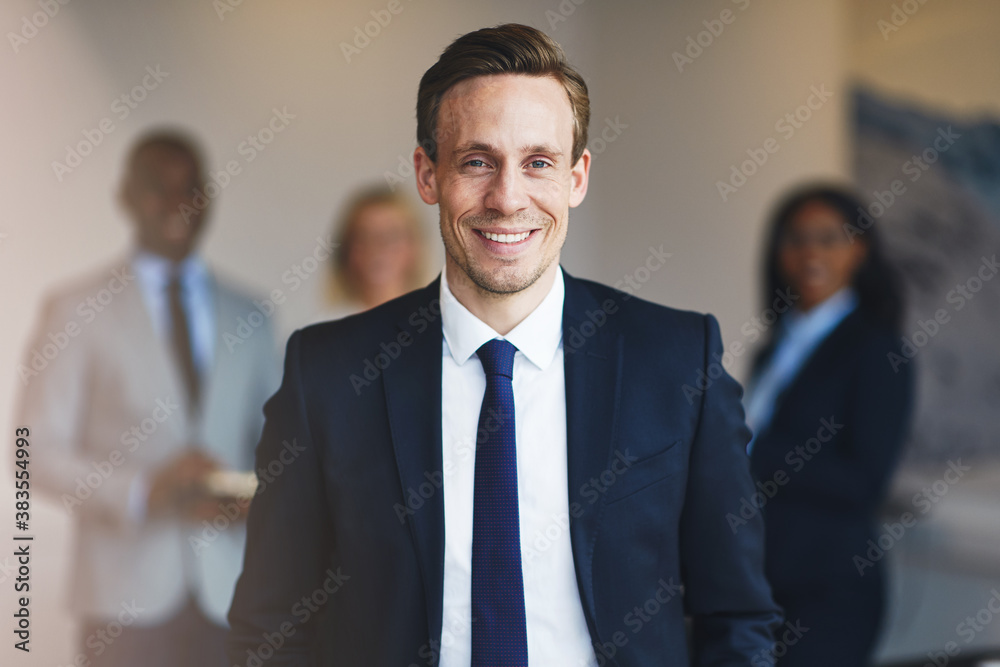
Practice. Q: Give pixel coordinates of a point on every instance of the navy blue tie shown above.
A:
(499, 632)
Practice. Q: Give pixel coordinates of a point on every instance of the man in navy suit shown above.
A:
(504, 466)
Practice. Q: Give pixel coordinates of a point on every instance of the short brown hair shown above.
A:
(506, 49)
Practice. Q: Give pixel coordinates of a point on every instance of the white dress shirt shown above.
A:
(800, 334)
(556, 626)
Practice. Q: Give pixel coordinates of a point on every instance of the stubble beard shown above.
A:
(500, 282)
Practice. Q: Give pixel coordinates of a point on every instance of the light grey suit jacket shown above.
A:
(104, 402)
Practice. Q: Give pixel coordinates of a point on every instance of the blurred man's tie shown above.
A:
(180, 336)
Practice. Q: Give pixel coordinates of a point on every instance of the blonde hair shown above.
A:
(341, 285)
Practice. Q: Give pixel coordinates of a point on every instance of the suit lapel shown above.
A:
(412, 385)
(227, 363)
(592, 359)
(222, 315)
(829, 347)
(592, 367)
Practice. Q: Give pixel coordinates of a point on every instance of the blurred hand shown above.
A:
(208, 508)
(178, 486)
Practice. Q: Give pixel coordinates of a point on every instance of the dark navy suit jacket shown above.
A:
(836, 433)
(353, 525)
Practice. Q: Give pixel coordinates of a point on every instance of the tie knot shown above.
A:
(497, 356)
(174, 278)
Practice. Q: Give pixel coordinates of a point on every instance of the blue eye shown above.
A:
(539, 164)
(476, 163)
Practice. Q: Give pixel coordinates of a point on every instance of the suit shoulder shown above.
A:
(93, 280)
(229, 288)
(100, 285)
(416, 309)
(874, 345)
(638, 314)
(864, 335)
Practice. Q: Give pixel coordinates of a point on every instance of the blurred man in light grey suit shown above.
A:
(137, 388)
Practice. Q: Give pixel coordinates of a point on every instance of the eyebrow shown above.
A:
(477, 146)
(547, 149)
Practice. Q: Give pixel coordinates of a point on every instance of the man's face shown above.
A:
(159, 193)
(503, 179)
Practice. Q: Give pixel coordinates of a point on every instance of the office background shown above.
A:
(683, 94)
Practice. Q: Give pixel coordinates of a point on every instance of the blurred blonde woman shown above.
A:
(380, 253)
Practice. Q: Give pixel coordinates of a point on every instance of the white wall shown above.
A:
(689, 126)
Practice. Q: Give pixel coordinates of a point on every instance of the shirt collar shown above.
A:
(823, 318)
(154, 270)
(537, 336)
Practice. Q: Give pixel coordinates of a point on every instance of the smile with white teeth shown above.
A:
(506, 238)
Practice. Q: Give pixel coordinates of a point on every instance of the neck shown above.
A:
(807, 304)
(502, 312)
(174, 256)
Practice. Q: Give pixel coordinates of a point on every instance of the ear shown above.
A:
(425, 171)
(579, 177)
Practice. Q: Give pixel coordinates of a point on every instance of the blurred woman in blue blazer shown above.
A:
(829, 414)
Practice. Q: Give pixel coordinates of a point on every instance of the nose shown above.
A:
(811, 252)
(507, 193)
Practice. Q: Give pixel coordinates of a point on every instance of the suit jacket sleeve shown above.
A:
(288, 549)
(726, 593)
